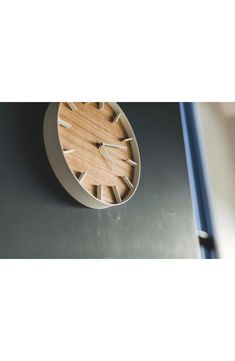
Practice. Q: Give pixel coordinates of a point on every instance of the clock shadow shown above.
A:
(30, 131)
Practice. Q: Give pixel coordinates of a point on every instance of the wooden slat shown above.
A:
(82, 176)
(117, 117)
(117, 194)
(127, 181)
(68, 151)
(131, 162)
(127, 140)
(100, 191)
(64, 124)
(72, 106)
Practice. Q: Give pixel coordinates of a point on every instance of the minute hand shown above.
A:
(108, 155)
(113, 145)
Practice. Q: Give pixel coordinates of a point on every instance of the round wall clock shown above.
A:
(93, 152)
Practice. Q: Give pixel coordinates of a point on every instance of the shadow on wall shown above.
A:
(32, 145)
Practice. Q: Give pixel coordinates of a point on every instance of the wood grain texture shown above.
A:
(91, 125)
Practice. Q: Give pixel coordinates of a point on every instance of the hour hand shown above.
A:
(108, 156)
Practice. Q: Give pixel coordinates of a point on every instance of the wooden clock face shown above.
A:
(100, 149)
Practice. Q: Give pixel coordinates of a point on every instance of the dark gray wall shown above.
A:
(38, 219)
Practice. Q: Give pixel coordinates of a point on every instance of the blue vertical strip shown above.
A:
(196, 175)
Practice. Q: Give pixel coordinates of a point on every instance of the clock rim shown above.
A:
(62, 169)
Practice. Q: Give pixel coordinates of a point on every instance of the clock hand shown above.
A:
(107, 155)
(112, 145)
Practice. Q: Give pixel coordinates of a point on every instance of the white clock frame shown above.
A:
(62, 169)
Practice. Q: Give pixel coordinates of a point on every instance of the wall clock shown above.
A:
(93, 152)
